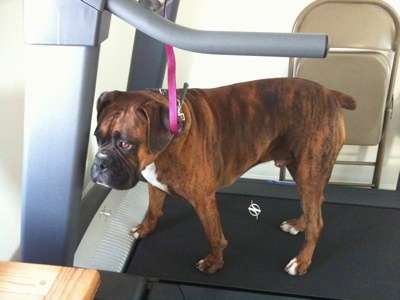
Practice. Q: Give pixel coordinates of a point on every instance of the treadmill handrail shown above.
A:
(219, 42)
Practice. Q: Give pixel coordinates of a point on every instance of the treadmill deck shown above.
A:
(357, 256)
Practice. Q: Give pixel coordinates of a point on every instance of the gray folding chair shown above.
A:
(362, 62)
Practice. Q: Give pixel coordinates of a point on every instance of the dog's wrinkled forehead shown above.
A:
(111, 125)
(110, 103)
(135, 115)
(118, 113)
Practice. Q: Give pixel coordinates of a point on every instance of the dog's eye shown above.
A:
(124, 145)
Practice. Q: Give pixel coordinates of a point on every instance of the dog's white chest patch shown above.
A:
(151, 176)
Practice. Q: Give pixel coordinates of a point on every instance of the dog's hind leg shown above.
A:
(293, 226)
(208, 213)
(310, 186)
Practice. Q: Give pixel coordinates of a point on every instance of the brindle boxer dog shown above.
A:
(295, 122)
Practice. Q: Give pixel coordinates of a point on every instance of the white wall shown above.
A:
(11, 124)
(199, 70)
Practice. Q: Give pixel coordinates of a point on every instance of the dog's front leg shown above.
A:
(209, 216)
(156, 201)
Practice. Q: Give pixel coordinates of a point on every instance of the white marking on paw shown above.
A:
(150, 173)
(291, 267)
(199, 265)
(286, 227)
(134, 233)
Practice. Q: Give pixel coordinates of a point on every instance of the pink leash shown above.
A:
(173, 110)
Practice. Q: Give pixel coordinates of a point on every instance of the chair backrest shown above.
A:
(364, 76)
(361, 24)
(362, 61)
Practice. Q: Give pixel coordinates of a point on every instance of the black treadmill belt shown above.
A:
(357, 256)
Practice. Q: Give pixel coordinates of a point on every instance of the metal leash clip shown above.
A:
(181, 115)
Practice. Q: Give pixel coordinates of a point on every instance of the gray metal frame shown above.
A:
(219, 42)
(57, 126)
(148, 55)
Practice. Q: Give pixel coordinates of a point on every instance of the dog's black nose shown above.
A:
(103, 161)
(102, 166)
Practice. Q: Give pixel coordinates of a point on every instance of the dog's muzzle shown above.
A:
(107, 170)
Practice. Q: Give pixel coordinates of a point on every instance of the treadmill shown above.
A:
(61, 225)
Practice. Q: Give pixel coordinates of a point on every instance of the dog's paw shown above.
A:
(295, 267)
(291, 267)
(142, 230)
(210, 265)
(291, 227)
(134, 233)
(287, 227)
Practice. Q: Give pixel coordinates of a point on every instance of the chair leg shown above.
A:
(381, 151)
(282, 174)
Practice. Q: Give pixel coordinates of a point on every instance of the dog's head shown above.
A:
(132, 129)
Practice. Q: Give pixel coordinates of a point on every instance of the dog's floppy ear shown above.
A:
(158, 134)
(105, 99)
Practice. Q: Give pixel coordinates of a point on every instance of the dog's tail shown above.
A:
(346, 101)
